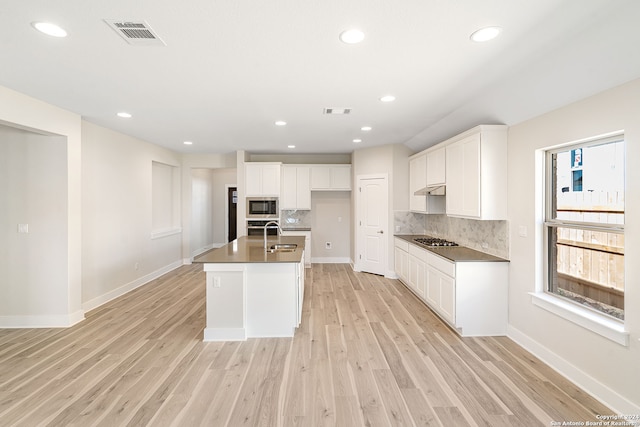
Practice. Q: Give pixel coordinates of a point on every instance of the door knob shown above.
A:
(380, 232)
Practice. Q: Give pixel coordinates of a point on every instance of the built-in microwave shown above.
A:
(262, 207)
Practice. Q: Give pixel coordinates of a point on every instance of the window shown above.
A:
(584, 224)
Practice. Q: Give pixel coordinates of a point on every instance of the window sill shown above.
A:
(164, 233)
(597, 323)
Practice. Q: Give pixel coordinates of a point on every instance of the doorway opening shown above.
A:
(232, 213)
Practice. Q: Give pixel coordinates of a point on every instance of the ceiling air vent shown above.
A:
(135, 32)
(337, 111)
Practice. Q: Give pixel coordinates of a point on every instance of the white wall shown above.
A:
(62, 289)
(118, 252)
(33, 185)
(606, 369)
(199, 161)
(392, 160)
(330, 222)
(209, 207)
(201, 210)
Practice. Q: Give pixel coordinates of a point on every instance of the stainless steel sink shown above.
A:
(282, 247)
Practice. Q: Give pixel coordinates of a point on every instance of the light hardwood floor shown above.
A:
(368, 352)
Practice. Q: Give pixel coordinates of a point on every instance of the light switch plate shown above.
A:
(23, 228)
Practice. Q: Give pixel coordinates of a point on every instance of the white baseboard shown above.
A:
(102, 299)
(47, 321)
(619, 404)
(330, 260)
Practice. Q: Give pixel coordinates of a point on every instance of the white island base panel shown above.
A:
(253, 300)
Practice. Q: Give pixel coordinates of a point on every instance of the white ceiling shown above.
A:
(231, 68)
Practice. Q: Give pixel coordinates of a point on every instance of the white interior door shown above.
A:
(372, 222)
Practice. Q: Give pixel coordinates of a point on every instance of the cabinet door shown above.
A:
(340, 177)
(463, 177)
(320, 178)
(471, 181)
(402, 264)
(262, 179)
(289, 196)
(436, 167)
(303, 188)
(417, 275)
(271, 180)
(417, 180)
(253, 179)
(448, 298)
(432, 291)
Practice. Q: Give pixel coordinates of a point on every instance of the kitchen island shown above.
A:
(253, 292)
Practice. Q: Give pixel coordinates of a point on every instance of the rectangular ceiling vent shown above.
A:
(337, 111)
(135, 32)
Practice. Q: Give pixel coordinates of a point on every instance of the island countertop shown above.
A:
(251, 250)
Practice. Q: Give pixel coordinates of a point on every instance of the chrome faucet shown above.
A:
(265, 231)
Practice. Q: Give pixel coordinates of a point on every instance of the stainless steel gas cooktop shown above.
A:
(433, 242)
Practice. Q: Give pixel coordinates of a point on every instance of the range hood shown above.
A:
(433, 190)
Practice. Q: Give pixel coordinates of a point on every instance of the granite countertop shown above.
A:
(453, 253)
(251, 250)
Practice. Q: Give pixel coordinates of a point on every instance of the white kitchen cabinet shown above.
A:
(307, 243)
(436, 167)
(417, 270)
(401, 258)
(418, 181)
(296, 189)
(262, 179)
(441, 287)
(331, 178)
(476, 174)
(471, 296)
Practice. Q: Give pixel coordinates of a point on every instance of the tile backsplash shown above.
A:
(295, 218)
(491, 237)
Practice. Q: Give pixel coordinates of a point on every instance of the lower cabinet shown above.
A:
(471, 296)
(401, 258)
(307, 244)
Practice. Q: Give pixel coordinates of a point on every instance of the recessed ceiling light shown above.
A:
(366, 128)
(281, 123)
(291, 146)
(388, 98)
(49, 29)
(357, 140)
(485, 34)
(351, 36)
(124, 115)
(188, 143)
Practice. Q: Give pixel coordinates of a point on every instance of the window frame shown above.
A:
(589, 318)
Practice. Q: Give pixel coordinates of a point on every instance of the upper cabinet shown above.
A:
(296, 189)
(417, 181)
(422, 203)
(262, 179)
(436, 167)
(331, 178)
(476, 173)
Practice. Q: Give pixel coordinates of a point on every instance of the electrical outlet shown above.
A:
(23, 228)
(136, 266)
(216, 282)
(485, 245)
(327, 245)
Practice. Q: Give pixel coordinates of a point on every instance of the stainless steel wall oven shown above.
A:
(255, 227)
